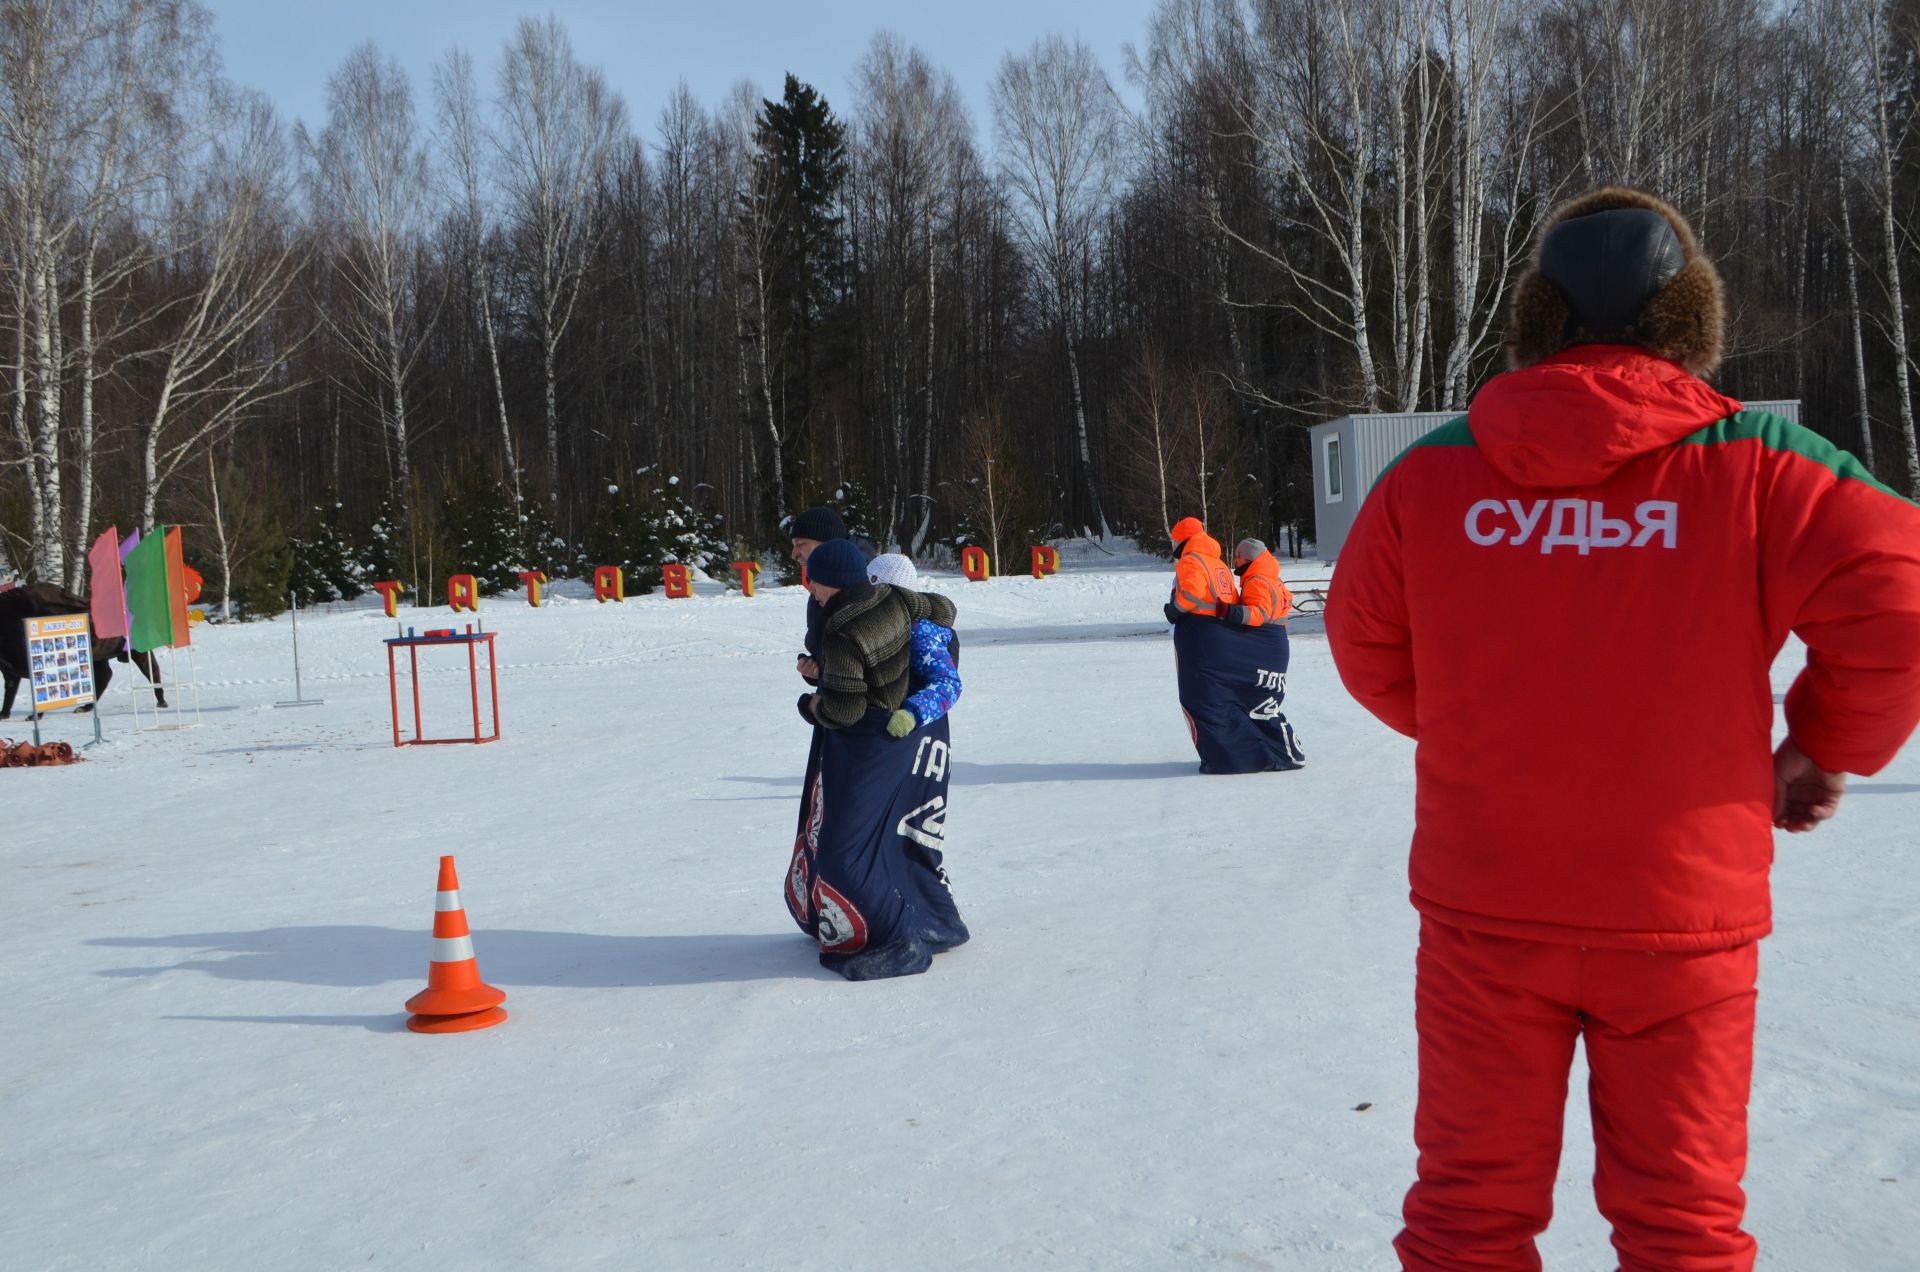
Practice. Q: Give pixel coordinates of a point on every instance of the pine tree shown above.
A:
(385, 545)
(325, 566)
(644, 526)
(804, 144)
(543, 547)
(850, 499)
(483, 531)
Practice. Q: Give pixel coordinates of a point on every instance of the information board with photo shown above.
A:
(60, 662)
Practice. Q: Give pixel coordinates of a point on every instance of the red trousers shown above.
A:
(1669, 1041)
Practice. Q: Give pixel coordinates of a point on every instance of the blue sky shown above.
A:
(646, 48)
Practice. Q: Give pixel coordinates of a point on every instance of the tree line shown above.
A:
(491, 322)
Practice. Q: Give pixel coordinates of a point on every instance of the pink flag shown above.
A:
(109, 600)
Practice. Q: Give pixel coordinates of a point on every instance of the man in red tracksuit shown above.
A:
(1571, 597)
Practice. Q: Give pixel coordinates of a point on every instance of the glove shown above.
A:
(901, 723)
(1236, 615)
(806, 708)
(1173, 612)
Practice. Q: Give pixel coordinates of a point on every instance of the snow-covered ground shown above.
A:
(1181, 1037)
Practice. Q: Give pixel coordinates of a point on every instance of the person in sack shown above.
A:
(1264, 599)
(1572, 597)
(851, 881)
(808, 530)
(1202, 583)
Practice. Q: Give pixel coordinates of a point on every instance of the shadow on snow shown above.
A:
(366, 955)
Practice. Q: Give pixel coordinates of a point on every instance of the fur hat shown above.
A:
(895, 569)
(837, 563)
(1598, 277)
(820, 524)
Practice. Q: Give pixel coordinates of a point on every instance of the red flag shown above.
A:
(108, 602)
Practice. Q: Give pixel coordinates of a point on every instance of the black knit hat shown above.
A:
(819, 524)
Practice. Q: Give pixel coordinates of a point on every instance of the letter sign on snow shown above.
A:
(389, 590)
(533, 579)
(609, 583)
(1046, 560)
(975, 565)
(463, 592)
(679, 584)
(746, 570)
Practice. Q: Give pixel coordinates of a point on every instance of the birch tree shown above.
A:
(1886, 142)
(85, 88)
(218, 364)
(765, 327)
(908, 142)
(367, 180)
(461, 137)
(1494, 126)
(1058, 127)
(559, 124)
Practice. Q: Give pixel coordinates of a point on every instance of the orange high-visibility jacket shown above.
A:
(1263, 597)
(1202, 583)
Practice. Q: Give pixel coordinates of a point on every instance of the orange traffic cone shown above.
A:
(455, 999)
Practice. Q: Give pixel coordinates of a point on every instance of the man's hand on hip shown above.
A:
(1804, 794)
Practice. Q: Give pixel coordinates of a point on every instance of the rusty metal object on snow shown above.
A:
(27, 755)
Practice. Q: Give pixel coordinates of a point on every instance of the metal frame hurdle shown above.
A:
(444, 636)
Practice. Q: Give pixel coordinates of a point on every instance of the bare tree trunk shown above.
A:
(333, 458)
(1890, 238)
(1202, 453)
(926, 451)
(500, 395)
(547, 346)
(397, 421)
(1853, 313)
(83, 516)
(22, 433)
(150, 457)
(222, 553)
(1080, 432)
(778, 459)
(1423, 230)
(43, 301)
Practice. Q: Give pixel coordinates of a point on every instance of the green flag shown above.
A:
(148, 608)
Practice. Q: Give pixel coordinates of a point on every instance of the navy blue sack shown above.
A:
(865, 878)
(1232, 682)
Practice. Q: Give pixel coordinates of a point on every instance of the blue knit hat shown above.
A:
(837, 563)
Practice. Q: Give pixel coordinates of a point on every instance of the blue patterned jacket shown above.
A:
(936, 677)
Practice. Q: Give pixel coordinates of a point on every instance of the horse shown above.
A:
(46, 600)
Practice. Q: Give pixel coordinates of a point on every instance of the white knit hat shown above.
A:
(894, 569)
(1248, 549)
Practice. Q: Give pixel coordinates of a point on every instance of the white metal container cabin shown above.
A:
(1350, 453)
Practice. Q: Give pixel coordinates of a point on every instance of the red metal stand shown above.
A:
(472, 640)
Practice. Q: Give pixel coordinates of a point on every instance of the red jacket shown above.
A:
(1572, 597)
